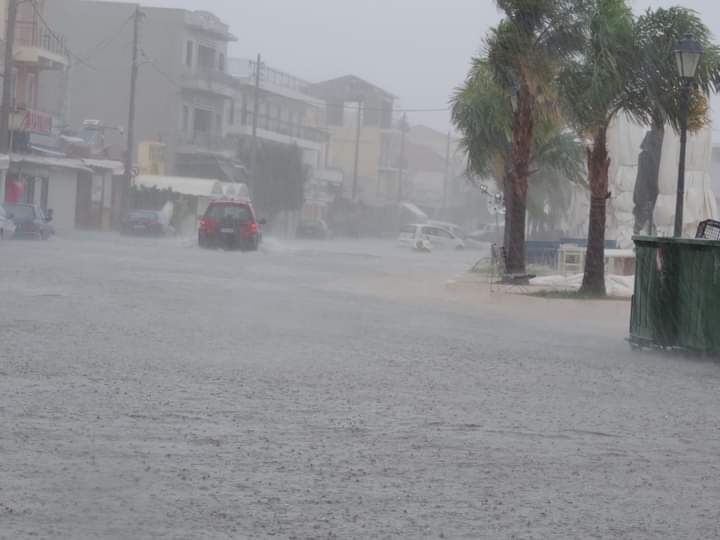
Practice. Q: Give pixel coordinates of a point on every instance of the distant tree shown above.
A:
(281, 179)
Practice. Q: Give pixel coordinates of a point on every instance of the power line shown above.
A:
(107, 41)
(394, 110)
(159, 70)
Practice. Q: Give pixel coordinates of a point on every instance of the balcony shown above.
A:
(202, 21)
(281, 131)
(211, 81)
(31, 121)
(202, 142)
(38, 48)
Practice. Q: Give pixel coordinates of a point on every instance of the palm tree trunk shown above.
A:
(507, 194)
(598, 169)
(522, 131)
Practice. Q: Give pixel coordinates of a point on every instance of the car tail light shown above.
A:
(253, 226)
(207, 223)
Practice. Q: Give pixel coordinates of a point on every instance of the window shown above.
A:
(437, 232)
(203, 121)
(189, 48)
(228, 211)
(218, 123)
(185, 119)
(335, 113)
(221, 62)
(231, 112)
(206, 57)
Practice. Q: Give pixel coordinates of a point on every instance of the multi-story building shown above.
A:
(286, 115)
(183, 90)
(348, 100)
(37, 49)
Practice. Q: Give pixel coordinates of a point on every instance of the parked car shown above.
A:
(30, 220)
(230, 224)
(146, 222)
(316, 229)
(7, 226)
(413, 236)
(457, 230)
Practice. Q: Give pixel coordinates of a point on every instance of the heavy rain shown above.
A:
(359, 269)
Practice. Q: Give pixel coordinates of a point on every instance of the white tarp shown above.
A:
(624, 139)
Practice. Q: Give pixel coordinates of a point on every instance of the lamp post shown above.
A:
(687, 56)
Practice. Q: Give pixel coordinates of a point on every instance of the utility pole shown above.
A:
(446, 179)
(129, 153)
(357, 150)
(256, 108)
(8, 77)
(401, 172)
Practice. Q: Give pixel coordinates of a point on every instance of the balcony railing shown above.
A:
(290, 129)
(208, 141)
(31, 34)
(209, 80)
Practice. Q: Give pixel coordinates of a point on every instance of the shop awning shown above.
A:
(19, 160)
(116, 167)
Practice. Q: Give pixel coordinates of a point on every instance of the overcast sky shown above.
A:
(417, 49)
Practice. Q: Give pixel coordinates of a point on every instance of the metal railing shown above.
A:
(30, 34)
(209, 141)
(290, 129)
(208, 79)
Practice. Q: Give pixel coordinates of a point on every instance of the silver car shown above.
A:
(7, 225)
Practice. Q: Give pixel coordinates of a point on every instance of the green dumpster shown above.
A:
(677, 294)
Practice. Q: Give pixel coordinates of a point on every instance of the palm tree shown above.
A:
(483, 113)
(593, 86)
(525, 52)
(654, 93)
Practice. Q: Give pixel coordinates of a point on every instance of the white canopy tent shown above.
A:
(624, 140)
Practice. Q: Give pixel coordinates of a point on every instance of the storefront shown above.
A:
(51, 183)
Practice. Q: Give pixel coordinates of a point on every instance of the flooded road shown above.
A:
(149, 389)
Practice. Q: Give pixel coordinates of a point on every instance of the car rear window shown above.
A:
(230, 211)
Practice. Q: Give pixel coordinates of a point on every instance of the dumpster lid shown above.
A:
(667, 240)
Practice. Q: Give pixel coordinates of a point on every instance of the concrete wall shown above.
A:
(99, 87)
(62, 191)
(341, 152)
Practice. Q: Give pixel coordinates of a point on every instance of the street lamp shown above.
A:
(687, 56)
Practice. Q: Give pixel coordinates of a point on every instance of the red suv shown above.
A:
(230, 224)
